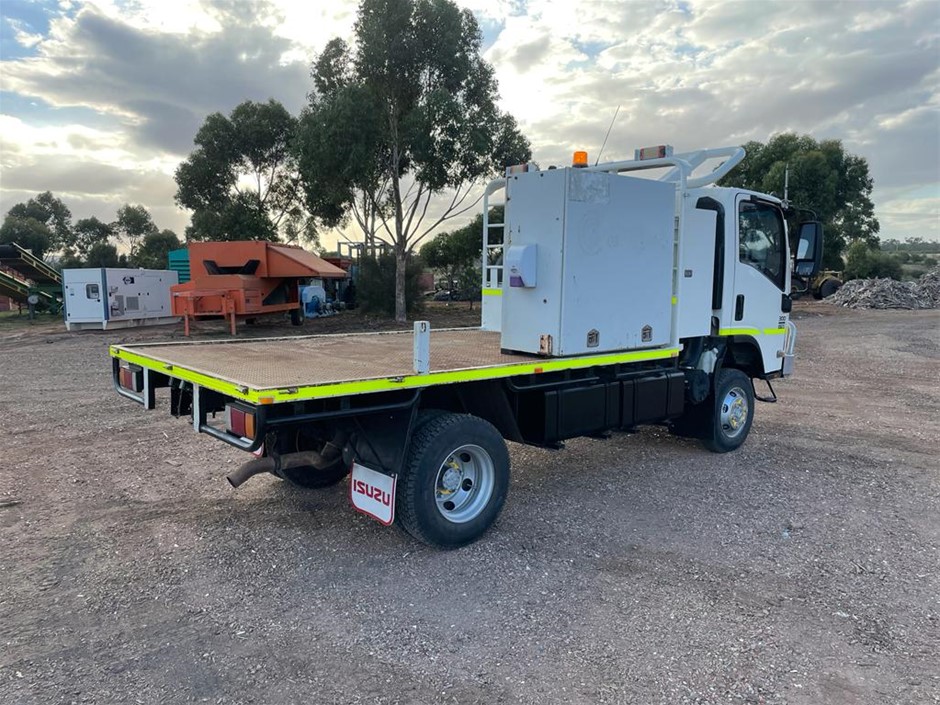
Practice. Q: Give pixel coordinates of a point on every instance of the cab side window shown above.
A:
(761, 240)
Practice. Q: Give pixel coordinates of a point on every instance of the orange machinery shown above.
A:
(244, 279)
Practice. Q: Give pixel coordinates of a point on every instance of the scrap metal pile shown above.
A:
(888, 293)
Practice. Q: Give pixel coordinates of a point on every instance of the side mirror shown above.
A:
(809, 250)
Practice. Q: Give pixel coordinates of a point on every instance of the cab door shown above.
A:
(761, 278)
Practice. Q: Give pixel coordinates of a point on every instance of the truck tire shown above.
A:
(454, 480)
(296, 317)
(732, 411)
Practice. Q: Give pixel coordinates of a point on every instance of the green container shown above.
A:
(179, 262)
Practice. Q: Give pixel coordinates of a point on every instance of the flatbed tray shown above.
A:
(272, 370)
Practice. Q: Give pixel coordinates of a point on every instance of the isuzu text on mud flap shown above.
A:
(373, 493)
(609, 301)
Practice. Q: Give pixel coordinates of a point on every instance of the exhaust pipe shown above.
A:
(254, 467)
(272, 464)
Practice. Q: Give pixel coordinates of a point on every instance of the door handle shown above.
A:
(739, 307)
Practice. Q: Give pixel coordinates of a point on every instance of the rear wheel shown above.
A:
(312, 478)
(732, 411)
(454, 481)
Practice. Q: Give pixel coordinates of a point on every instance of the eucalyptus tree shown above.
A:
(824, 177)
(402, 128)
(43, 224)
(241, 181)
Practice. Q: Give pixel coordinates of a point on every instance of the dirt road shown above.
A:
(804, 568)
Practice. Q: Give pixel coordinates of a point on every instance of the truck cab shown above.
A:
(750, 278)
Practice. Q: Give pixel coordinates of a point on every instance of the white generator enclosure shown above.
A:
(588, 262)
(117, 298)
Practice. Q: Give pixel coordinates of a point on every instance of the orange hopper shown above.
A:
(245, 279)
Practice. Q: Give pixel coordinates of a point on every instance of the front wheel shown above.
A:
(454, 480)
(732, 411)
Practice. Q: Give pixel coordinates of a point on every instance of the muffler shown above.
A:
(272, 464)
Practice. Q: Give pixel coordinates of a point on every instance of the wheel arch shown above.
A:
(742, 352)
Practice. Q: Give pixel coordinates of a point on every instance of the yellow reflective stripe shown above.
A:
(738, 331)
(675, 300)
(337, 389)
(492, 292)
(203, 380)
(752, 331)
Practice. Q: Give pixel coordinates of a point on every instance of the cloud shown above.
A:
(692, 73)
(85, 165)
(713, 73)
(161, 84)
(151, 73)
(909, 216)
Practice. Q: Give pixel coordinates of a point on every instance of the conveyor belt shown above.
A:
(23, 261)
(19, 290)
(13, 287)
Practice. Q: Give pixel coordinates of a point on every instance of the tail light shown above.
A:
(132, 377)
(239, 422)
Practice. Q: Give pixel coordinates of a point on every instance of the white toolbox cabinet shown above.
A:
(589, 262)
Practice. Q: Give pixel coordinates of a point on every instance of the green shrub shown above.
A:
(863, 262)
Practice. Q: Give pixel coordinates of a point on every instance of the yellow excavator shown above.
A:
(821, 286)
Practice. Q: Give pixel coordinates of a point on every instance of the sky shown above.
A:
(100, 101)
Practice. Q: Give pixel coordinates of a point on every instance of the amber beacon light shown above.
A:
(579, 160)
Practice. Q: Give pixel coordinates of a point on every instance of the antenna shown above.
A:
(616, 112)
(786, 185)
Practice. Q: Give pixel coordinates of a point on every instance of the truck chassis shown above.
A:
(318, 405)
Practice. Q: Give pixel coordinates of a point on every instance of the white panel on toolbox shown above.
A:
(697, 272)
(535, 210)
(618, 257)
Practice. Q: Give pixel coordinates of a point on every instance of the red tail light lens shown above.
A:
(132, 377)
(239, 422)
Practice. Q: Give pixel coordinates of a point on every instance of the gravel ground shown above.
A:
(804, 568)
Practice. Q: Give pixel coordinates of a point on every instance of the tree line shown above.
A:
(43, 224)
(399, 130)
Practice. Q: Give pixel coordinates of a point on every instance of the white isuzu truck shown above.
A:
(610, 301)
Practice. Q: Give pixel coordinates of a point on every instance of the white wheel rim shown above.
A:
(464, 484)
(733, 413)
